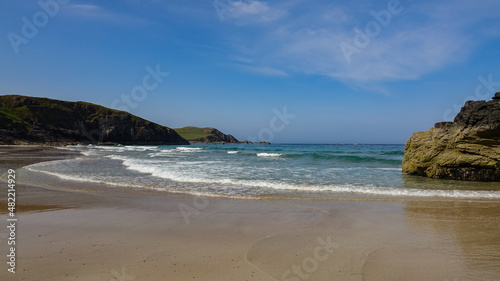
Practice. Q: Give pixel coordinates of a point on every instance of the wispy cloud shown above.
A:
(100, 13)
(424, 38)
(84, 7)
(253, 12)
(265, 71)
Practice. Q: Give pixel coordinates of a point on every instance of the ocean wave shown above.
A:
(387, 169)
(249, 189)
(394, 192)
(213, 174)
(188, 149)
(89, 152)
(118, 157)
(140, 148)
(119, 148)
(162, 153)
(269, 154)
(286, 186)
(348, 158)
(399, 153)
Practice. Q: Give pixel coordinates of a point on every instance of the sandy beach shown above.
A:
(96, 232)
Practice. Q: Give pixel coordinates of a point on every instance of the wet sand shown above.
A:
(76, 231)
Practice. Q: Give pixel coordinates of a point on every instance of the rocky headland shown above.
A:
(466, 149)
(32, 120)
(196, 135)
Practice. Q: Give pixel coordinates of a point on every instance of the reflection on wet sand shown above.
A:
(418, 240)
(470, 232)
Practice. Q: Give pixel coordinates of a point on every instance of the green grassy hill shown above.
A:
(194, 133)
(205, 135)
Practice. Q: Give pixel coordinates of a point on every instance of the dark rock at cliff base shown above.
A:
(249, 142)
(466, 149)
(31, 120)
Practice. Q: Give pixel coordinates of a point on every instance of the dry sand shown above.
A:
(92, 232)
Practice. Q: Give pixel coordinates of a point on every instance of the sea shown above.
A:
(285, 171)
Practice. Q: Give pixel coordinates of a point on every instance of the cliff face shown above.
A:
(30, 120)
(466, 149)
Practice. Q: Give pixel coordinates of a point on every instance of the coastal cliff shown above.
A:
(466, 149)
(32, 120)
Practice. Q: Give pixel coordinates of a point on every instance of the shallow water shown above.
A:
(261, 171)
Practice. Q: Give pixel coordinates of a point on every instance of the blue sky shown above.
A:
(286, 71)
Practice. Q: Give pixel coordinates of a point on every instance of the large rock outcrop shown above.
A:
(31, 120)
(466, 149)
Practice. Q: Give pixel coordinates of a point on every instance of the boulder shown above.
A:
(466, 149)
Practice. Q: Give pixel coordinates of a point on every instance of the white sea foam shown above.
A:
(391, 192)
(162, 153)
(188, 149)
(117, 157)
(232, 152)
(388, 169)
(204, 173)
(269, 154)
(169, 174)
(89, 152)
(113, 148)
(140, 148)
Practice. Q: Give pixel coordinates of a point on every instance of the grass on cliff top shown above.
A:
(9, 113)
(14, 112)
(193, 133)
(32, 111)
(12, 116)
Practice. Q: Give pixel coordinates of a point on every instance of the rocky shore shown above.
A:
(466, 149)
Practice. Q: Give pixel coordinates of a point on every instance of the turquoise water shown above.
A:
(260, 171)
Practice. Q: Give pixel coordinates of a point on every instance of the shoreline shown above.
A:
(82, 235)
(410, 188)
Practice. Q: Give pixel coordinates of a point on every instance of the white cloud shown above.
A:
(335, 15)
(94, 12)
(415, 43)
(252, 11)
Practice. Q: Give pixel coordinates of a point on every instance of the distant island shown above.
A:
(466, 149)
(32, 120)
